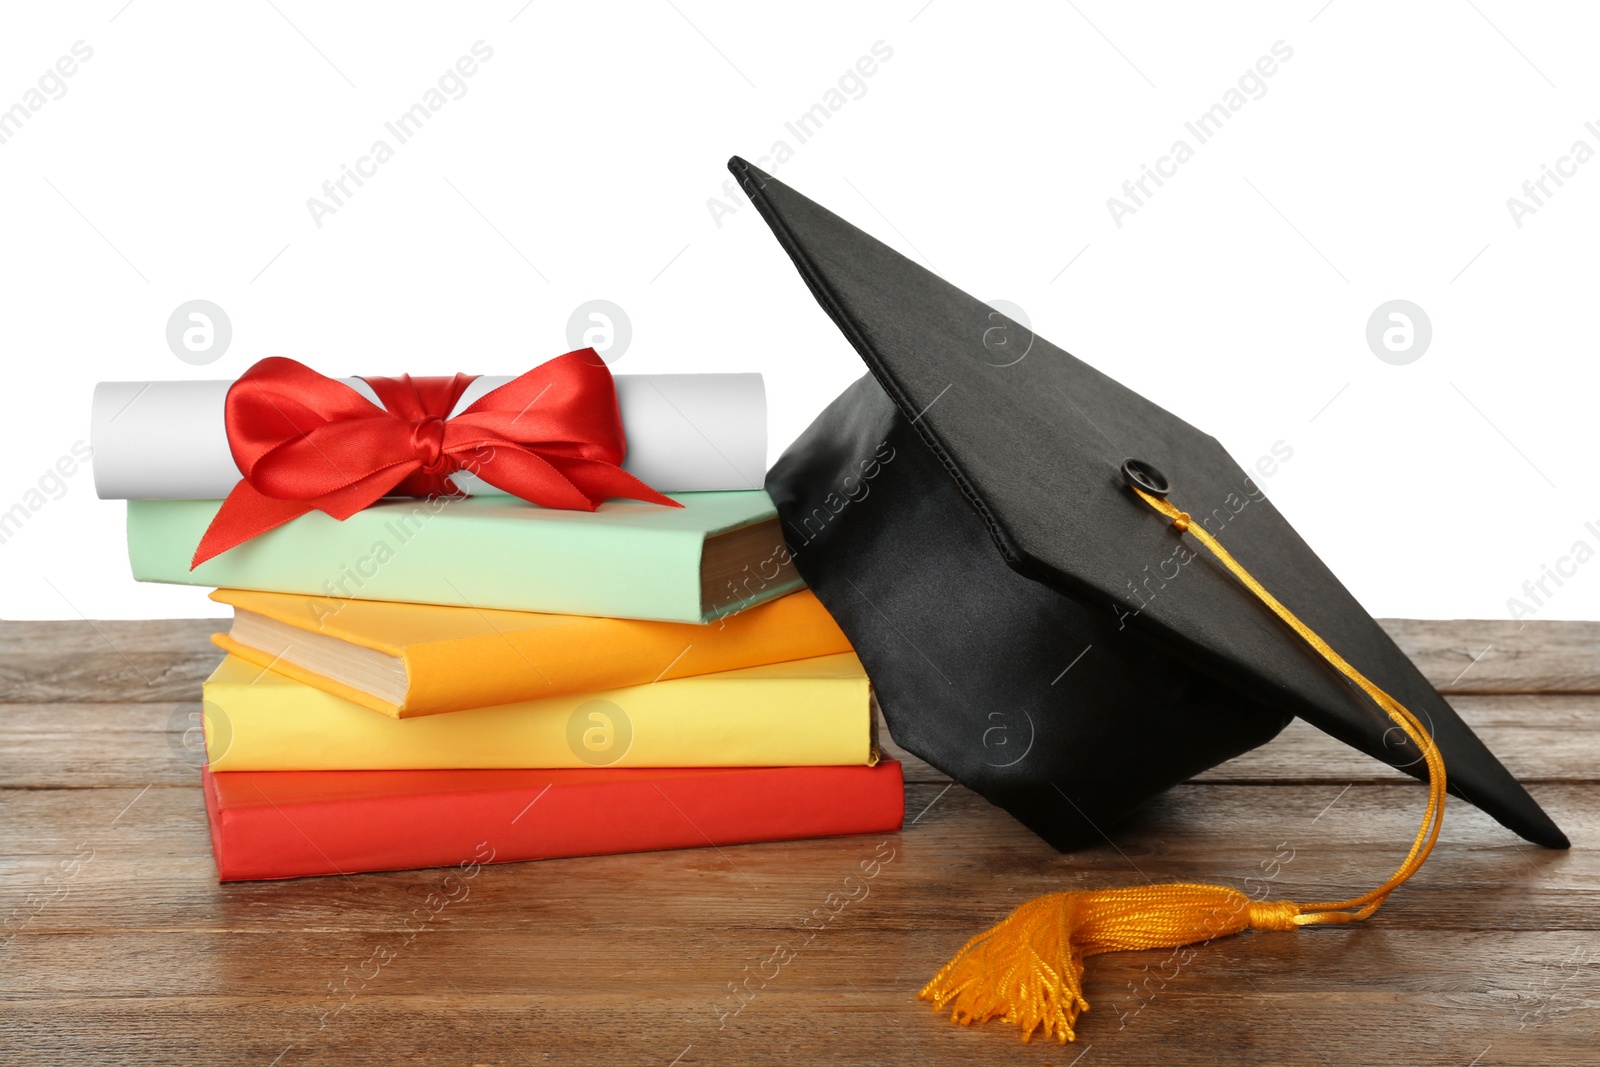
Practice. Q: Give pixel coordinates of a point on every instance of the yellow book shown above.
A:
(809, 712)
(421, 659)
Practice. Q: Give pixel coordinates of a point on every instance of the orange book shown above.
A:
(422, 659)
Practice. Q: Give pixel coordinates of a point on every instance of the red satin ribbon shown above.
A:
(305, 442)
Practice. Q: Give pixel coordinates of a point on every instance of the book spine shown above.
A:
(456, 659)
(688, 722)
(502, 667)
(448, 550)
(625, 811)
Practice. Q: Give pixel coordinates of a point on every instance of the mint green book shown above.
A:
(719, 553)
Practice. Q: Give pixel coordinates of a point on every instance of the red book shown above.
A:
(294, 824)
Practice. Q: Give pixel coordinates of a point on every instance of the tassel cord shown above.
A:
(1356, 908)
(1028, 969)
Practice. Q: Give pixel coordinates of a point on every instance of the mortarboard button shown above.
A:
(1141, 474)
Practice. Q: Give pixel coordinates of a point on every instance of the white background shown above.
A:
(580, 162)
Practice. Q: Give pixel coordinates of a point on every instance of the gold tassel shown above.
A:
(1028, 969)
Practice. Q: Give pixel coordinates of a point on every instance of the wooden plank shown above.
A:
(159, 661)
(870, 1022)
(119, 661)
(148, 859)
(1501, 656)
(39, 643)
(1538, 738)
(100, 745)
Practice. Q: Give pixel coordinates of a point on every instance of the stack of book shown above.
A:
(432, 682)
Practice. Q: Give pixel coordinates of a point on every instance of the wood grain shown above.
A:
(1502, 657)
(135, 955)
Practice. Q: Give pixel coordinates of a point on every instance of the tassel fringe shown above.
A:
(1028, 969)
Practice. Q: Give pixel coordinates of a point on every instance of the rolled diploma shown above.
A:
(686, 433)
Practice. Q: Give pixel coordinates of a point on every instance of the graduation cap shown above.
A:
(999, 534)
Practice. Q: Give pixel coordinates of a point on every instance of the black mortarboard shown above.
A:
(1030, 626)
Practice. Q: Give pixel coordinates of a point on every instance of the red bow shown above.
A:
(305, 442)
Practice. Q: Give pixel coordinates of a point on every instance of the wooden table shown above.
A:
(120, 946)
